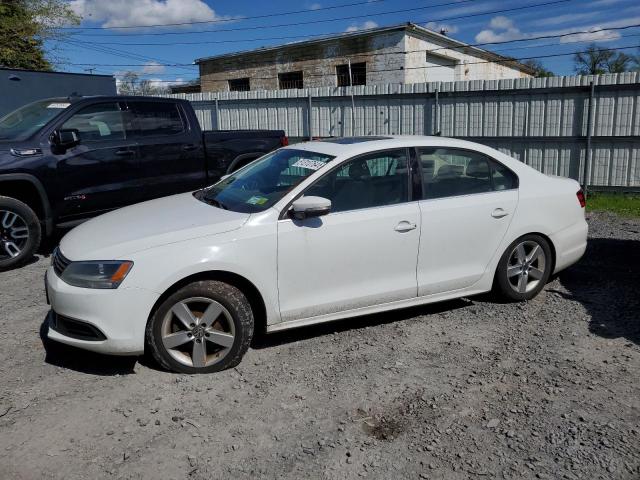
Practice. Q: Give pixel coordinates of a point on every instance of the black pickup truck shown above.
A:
(63, 160)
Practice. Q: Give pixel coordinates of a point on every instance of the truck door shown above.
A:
(172, 156)
(101, 172)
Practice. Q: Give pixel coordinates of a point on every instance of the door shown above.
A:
(364, 252)
(171, 153)
(101, 172)
(469, 201)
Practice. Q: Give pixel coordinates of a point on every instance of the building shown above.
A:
(406, 53)
(19, 87)
(190, 87)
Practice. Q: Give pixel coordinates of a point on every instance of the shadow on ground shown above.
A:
(84, 361)
(606, 282)
(263, 340)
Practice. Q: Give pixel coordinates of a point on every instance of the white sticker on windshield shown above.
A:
(58, 105)
(308, 163)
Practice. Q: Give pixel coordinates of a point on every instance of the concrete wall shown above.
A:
(19, 87)
(540, 121)
(384, 65)
(318, 63)
(425, 52)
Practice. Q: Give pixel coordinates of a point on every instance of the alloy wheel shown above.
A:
(526, 266)
(14, 234)
(198, 332)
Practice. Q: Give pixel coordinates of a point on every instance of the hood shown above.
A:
(123, 232)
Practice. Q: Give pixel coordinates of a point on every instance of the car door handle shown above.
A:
(405, 226)
(189, 147)
(499, 213)
(125, 152)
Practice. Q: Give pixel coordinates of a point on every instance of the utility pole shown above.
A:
(90, 70)
(353, 103)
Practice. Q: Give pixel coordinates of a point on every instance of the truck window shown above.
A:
(98, 122)
(157, 118)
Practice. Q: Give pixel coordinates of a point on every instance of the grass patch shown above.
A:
(620, 204)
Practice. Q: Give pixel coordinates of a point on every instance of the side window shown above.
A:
(503, 178)
(369, 181)
(157, 118)
(451, 172)
(102, 121)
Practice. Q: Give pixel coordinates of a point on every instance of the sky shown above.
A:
(115, 35)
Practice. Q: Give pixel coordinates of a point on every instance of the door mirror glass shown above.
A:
(68, 138)
(308, 207)
(64, 139)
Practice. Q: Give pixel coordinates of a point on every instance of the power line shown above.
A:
(506, 60)
(406, 52)
(427, 51)
(295, 24)
(523, 39)
(238, 19)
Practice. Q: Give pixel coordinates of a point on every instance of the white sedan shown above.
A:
(311, 233)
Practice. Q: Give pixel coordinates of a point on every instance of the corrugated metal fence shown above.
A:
(541, 121)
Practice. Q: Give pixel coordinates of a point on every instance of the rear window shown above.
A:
(153, 119)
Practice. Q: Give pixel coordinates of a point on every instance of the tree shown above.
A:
(620, 63)
(595, 60)
(130, 83)
(538, 69)
(25, 26)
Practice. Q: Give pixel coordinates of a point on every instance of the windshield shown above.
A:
(25, 121)
(263, 183)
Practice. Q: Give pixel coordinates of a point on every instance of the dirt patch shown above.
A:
(458, 390)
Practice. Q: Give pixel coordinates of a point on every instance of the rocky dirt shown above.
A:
(460, 390)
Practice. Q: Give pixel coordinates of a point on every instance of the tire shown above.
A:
(204, 327)
(20, 233)
(517, 284)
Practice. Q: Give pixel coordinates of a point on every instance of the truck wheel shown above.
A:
(20, 233)
(204, 327)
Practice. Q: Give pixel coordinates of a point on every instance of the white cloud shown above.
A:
(362, 26)
(315, 6)
(125, 13)
(560, 19)
(501, 29)
(153, 68)
(501, 23)
(437, 27)
(601, 36)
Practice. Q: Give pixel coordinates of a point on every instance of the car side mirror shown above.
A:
(308, 207)
(65, 139)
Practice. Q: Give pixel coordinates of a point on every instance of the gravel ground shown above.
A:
(464, 389)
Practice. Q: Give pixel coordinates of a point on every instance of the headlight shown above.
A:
(107, 274)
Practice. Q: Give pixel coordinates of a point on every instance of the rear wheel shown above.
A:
(524, 268)
(20, 233)
(204, 327)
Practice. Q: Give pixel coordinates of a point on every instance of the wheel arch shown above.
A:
(546, 237)
(247, 287)
(35, 196)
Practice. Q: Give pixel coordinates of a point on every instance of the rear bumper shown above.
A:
(104, 321)
(570, 244)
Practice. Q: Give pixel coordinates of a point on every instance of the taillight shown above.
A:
(581, 199)
(284, 141)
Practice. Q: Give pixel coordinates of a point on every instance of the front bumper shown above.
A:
(120, 315)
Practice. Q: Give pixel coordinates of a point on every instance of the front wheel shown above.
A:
(20, 233)
(204, 327)
(524, 268)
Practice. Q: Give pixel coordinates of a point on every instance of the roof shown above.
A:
(407, 27)
(341, 146)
